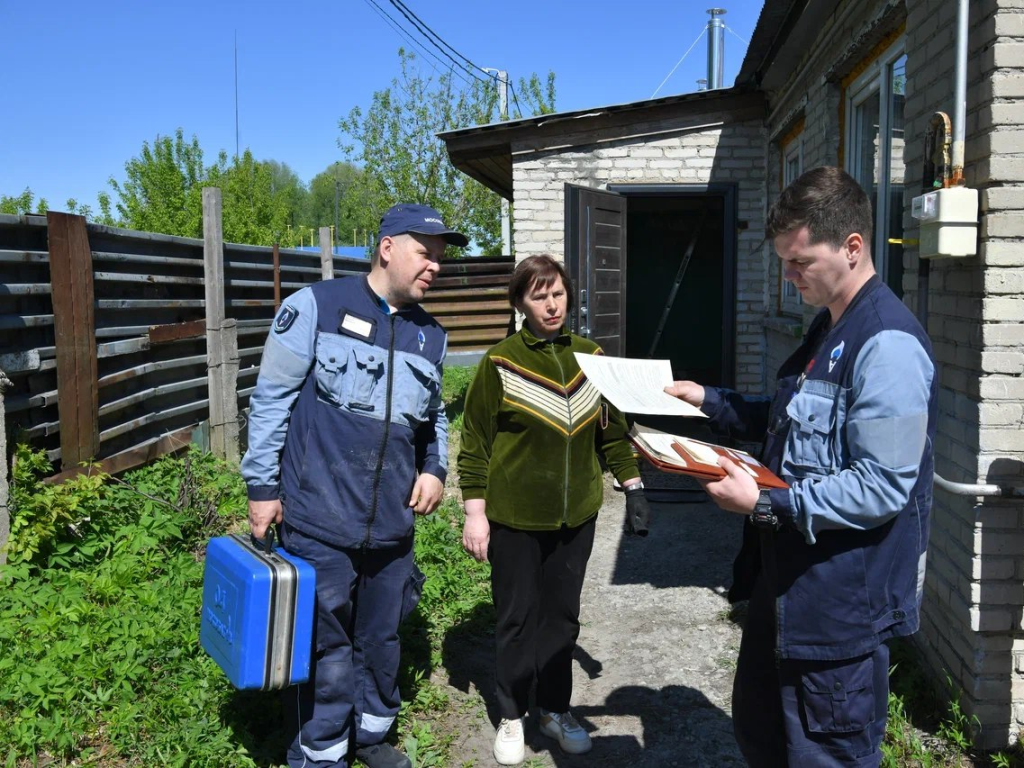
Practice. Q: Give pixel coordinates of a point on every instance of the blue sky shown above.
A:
(87, 83)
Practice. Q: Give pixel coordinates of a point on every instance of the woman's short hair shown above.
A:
(540, 271)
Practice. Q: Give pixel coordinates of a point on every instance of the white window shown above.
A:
(874, 156)
(790, 300)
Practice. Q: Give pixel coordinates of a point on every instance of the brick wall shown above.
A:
(730, 153)
(974, 590)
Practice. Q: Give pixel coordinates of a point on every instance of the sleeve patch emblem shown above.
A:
(285, 318)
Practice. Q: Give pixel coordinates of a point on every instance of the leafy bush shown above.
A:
(453, 391)
(99, 646)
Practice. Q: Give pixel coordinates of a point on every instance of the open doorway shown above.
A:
(680, 262)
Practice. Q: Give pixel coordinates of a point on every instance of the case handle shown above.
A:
(266, 544)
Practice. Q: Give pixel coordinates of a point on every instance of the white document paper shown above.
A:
(635, 386)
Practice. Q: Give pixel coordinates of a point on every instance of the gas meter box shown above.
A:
(949, 222)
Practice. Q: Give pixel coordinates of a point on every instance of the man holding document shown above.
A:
(833, 565)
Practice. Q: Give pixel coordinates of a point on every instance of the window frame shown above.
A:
(790, 147)
(875, 78)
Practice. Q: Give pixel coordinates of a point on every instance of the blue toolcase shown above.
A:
(257, 617)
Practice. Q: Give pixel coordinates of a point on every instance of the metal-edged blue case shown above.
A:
(258, 613)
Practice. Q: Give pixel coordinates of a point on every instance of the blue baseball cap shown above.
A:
(421, 219)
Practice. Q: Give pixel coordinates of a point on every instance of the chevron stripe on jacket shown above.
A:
(532, 435)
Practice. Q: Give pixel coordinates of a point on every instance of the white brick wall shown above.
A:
(972, 624)
(976, 561)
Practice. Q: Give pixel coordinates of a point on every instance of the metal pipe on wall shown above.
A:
(960, 93)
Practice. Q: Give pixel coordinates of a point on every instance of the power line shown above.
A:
(401, 5)
(515, 98)
(703, 30)
(423, 30)
(391, 22)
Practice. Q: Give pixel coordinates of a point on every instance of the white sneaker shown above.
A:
(509, 745)
(570, 734)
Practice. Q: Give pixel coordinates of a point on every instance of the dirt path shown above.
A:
(656, 654)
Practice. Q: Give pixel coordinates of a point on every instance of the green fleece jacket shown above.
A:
(532, 431)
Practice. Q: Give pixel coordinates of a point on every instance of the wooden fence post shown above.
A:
(5, 488)
(277, 278)
(326, 254)
(74, 325)
(221, 335)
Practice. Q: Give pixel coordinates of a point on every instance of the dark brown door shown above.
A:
(595, 255)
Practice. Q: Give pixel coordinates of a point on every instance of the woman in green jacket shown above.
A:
(531, 479)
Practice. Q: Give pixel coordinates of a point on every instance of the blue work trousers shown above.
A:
(361, 597)
(794, 713)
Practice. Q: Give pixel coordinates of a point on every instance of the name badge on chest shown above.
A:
(361, 328)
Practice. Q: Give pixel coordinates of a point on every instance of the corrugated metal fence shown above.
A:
(104, 332)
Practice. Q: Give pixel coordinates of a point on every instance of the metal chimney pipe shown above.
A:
(716, 47)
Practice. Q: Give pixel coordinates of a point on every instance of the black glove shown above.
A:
(638, 512)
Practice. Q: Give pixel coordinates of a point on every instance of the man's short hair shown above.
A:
(541, 271)
(826, 200)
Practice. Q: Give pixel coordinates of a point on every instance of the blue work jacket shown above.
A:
(851, 429)
(346, 410)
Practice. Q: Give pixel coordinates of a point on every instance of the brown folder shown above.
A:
(684, 455)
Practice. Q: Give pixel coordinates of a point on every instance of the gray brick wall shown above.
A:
(974, 590)
(972, 622)
(732, 153)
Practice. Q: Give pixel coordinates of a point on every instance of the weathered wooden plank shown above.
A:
(23, 257)
(141, 454)
(326, 257)
(20, 362)
(277, 278)
(461, 307)
(24, 289)
(482, 335)
(457, 281)
(476, 321)
(141, 370)
(153, 417)
(149, 303)
(465, 294)
(25, 321)
(137, 397)
(126, 347)
(161, 334)
(127, 277)
(71, 276)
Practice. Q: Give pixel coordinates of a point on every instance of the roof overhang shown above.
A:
(484, 152)
(784, 33)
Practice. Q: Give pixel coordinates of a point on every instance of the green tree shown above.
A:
(163, 188)
(341, 182)
(395, 142)
(254, 211)
(22, 203)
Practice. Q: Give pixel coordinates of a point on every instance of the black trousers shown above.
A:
(536, 581)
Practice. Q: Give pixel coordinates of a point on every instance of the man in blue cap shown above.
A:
(348, 439)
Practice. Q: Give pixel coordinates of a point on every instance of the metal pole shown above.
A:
(337, 227)
(506, 217)
(960, 94)
(716, 48)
